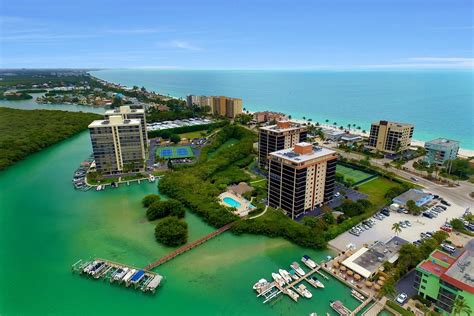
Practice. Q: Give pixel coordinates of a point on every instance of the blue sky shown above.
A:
(233, 34)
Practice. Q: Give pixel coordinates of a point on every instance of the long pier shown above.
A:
(188, 247)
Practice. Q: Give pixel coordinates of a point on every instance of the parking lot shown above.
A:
(382, 230)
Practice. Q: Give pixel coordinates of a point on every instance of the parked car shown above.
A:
(427, 214)
(445, 203)
(448, 248)
(401, 298)
(446, 228)
(414, 179)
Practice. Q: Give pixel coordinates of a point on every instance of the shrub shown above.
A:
(399, 309)
(150, 199)
(171, 231)
(160, 209)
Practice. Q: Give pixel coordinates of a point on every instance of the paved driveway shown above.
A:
(405, 284)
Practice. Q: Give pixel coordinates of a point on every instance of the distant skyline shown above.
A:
(259, 34)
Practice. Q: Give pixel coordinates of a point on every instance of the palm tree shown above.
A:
(326, 120)
(397, 228)
(461, 307)
(304, 117)
(335, 123)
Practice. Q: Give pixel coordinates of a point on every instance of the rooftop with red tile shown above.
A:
(443, 257)
(433, 268)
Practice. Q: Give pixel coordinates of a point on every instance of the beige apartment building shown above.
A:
(218, 105)
(127, 113)
(301, 178)
(283, 135)
(118, 145)
(390, 137)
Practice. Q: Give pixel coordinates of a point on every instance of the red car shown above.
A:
(446, 229)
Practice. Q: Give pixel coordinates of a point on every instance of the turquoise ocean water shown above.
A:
(438, 103)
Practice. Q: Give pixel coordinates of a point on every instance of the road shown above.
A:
(458, 195)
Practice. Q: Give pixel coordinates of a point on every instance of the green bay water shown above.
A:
(46, 226)
(440, 103)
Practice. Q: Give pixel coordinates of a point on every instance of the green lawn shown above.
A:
(376, 190)
(227, 144)
(191, 135)
(353, 174)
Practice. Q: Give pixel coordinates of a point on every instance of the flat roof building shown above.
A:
(443, 278)
(118, 145)
(418, 196)
(367, 261)
(301, 178)
(282, 135)
(127, 113)
(218, 105)
(440, 150)
(390, 137)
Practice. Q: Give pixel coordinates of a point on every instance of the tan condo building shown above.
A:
(127, 113)
(301, 178)
(390, 137)
(118, 145)
(283, 135)
(218, 105)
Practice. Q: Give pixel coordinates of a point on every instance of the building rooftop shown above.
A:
(399, 124)
(125, 109)
(461, 272)
(115, 120)
(292, 155)
(433, 267)
(418, 196)
(282, 126)
(367, 261)
(441, 256)
(443, 141)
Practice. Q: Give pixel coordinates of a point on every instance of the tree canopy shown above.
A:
(160, 209)
(150, 199)
(171, 231)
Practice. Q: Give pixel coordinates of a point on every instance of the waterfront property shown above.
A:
(118, 145)
(283, 135)
(301, 178)
(418, 196)
(440, 150)
(218, 105)
(177, 123)
(368, 261)
(390, 137)
(241, 205)
(443, 278)
(332, 134)
(268, 116)
(127, 113)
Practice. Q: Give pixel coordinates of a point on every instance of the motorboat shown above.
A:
(293, 275)
(339, 308)
(303, 291)
(357, 295)
(261, 284)
(120, 273)
(286, 276)
(308, 262)
(151, 178)
(293, 295)
(89, 267)
(297, 268)
(99, 187)
(278, 279)
(129, 275)
(315, 282)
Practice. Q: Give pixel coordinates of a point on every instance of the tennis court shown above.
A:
(175, 152)
(356, 175)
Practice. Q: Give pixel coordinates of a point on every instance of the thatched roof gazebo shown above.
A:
(357, 277)
(368, 283)
(380, 282)
(336, 264)
(377, 287)
(343, 268)
(381, 278)
(349, 272)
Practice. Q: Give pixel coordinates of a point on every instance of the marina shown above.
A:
(291, 284)
(128, 276)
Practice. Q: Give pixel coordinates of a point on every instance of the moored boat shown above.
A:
(297, 268)
(278, 279)
(303, 291)
(293, 275)
(308, 262)
(293, 295)
(286, 276)
(340, 308)
(99, 187)
(261, 284)
(357, 295)
(317, 282)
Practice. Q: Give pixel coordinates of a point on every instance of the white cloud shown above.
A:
(427, 63)
(183, 45)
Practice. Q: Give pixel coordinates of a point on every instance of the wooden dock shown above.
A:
(147, 281)
(188, 247)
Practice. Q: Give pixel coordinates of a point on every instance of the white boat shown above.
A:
(129, 275)
(293, 275)
(308, 262)
(285, 275)
(293, 295)
(99, 187)
(278, 279)
(357, 295)
(120, 273)
(297, 268)
(261, 284)
(304, 291)
(315, 282)
(154, 283)
(152, 178)
(89, 267)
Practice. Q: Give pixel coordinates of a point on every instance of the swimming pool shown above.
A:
(231, 202)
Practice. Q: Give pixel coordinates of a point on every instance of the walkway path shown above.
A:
(190, 246)
(258, 215)
(376, 308)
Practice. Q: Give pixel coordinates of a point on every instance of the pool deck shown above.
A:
(245, 205)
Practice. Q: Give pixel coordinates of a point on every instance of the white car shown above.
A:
(401, 298)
